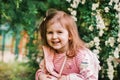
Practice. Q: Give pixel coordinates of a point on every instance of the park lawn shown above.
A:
(16, 71)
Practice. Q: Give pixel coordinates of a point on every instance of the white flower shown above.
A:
(118, 40)
(106, 28)
(91, 44)
(110, 73)
(101, 32)
(111, 40)
(117, 7)
(110, 59)
(70, 9)
(95, 5)
(110, 3)
(116, 1)
(119, 47)
(96, 39)
(75, 19)
(96, 51)
(91, 28)
(106, 43)
(83, 2)
(75, 3)
(74, 13)
(116, 53)
(100, 26)
(97, 44)
(68, 1)
(106, 9)
(99, 20)
(110, 69)
(119, 34)
(98, 47)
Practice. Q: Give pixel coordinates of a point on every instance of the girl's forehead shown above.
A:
(55, 24)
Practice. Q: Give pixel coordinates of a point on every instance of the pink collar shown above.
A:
(48, 56)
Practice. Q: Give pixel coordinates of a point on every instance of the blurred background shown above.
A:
(20, 51)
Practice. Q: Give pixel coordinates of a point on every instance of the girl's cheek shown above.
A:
(48, 38)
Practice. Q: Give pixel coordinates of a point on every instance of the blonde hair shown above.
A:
(66, 21)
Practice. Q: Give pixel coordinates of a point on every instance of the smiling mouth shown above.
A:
(55, 42)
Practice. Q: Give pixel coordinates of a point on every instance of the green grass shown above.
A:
(16, 71)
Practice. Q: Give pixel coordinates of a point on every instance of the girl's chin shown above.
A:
(56, 48)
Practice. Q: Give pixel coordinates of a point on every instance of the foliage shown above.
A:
(15, 71)
(25, 15)
(98, 25)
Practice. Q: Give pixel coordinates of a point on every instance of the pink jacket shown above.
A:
(84, 66)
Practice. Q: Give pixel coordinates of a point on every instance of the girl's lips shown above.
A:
(55, 42)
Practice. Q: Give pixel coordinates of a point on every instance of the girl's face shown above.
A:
(57, 37)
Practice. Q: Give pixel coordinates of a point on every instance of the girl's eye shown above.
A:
(49, 32)
(60, 32)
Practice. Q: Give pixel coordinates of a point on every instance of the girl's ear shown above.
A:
(69, 38)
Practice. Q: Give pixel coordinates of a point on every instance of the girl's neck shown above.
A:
(60, 52)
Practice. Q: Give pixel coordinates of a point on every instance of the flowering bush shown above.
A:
(99, 26)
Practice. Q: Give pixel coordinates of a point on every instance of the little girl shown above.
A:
(65, 55)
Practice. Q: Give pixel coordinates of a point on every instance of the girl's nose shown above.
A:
(54, 36)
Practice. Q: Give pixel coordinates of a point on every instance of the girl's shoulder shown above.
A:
(85, 52)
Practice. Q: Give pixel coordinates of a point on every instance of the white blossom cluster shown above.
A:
(117, 8)
(110, 69)
(117, 49)
(110, 41)
(117, 5)
(97, 45)
(74, 5)
(73, 13)
(100, 23)
(95, 6)
(101, 28)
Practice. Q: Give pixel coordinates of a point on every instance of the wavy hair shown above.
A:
(66, 20)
